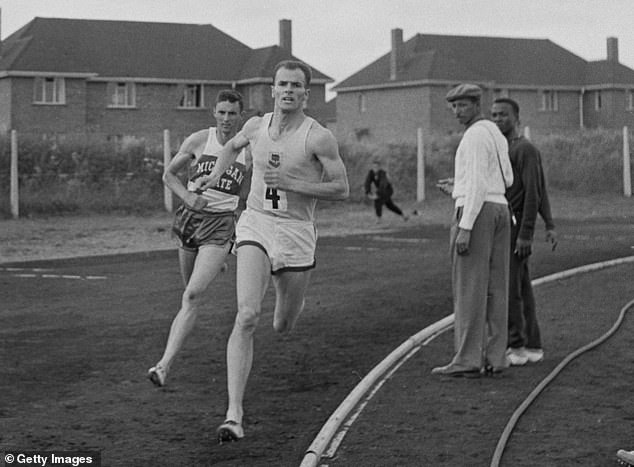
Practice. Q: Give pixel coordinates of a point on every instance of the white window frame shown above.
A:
(193, 97)
(122, 94)
(598, 100)
(363, 103)
(251, 97)
(49, 90)
(548, 100)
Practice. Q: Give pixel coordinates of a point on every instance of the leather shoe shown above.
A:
(456, 371)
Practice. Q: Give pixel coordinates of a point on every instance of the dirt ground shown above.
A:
(28, 239)
(75, 352)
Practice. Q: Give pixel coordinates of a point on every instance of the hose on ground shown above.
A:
(499, 450)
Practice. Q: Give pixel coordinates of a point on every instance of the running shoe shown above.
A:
(229, 431)
(157, 375)
(625, 457)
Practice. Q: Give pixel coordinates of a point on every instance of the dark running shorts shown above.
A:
(195, 230)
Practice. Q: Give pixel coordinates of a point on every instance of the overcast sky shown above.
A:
(339, 37)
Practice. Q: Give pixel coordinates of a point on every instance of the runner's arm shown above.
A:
(184, 156)
(229, 153)
(322, 144)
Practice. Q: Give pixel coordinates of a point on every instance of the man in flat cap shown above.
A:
(479, 240)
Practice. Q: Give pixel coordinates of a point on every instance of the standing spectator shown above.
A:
(296, 161)
(205, 223)
(384, 190)
(479, 241)
(527, 197)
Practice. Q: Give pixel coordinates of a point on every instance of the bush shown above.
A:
(587, 161)
(73, 178)
(57, 178)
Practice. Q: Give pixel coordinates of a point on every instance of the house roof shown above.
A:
(134, 49)
(604, 71)
(262, 61)
(504, 61)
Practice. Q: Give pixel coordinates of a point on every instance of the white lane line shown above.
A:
(336, 441)
(32, 273)
(399, 240)
(314, 452)
(324, 438)
(24, 269)
(59, 276)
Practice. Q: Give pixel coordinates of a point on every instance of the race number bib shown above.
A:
(274, 199)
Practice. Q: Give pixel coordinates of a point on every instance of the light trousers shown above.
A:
(480, 283)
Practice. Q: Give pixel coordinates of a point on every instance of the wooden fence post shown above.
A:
(420, 167)
(627, 180)
(15, 182)
(167, 157)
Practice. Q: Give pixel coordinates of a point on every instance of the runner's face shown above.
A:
(228, 117)
(503, 116)
(289, 90)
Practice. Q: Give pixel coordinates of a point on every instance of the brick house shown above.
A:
(69, 78)
(404, 89)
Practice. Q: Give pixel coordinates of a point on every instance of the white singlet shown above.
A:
(226, 194)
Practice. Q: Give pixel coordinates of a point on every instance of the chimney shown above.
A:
(613, 49)
(396, 54)
(286, 37)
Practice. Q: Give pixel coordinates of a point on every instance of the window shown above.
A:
(122, 94)
(548, 101)
(629, 100)
(49, 90)
(363, 103)
(192, 97)
(252, 97)
(597, 101)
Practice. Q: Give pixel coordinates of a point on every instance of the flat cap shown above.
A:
(461, 91)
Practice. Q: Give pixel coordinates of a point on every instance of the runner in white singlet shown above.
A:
(205, 223)
(296, 161)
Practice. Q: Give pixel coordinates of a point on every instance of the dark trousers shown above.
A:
(523, 325)
(378, 206)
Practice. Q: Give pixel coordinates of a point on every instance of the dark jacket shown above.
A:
(528, 196)
(379, 179)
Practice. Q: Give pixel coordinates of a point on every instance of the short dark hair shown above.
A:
(514, 105)
(294, 65)
(232, 96)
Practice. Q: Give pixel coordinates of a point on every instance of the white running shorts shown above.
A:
(289, 244)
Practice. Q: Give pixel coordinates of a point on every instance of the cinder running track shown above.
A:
(78, 336)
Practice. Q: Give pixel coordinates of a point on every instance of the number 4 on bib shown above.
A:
(275, 200)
